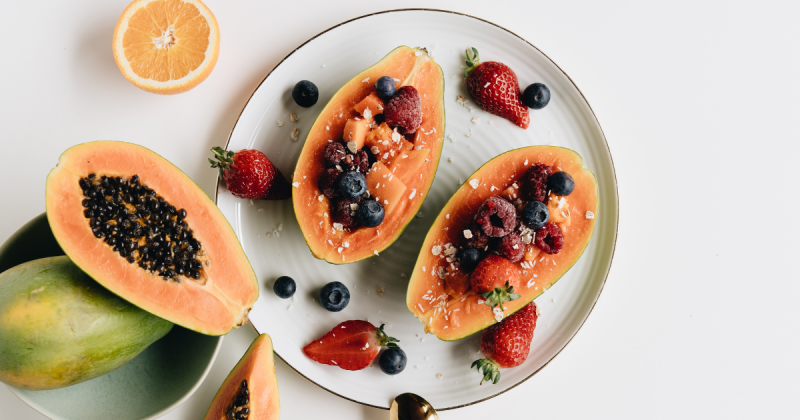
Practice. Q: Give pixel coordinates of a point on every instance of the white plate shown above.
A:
(439, 371)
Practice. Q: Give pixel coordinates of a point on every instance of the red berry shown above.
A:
(497, 217)
(534, 183)
(351, 345)
(327, 182)
(250, 174)
(344, 213)
(549, 239)
(511, 247)
(508, 343)
(493, 272)
(477, 239)
(404, 110)
(495, 88)
(333, 154)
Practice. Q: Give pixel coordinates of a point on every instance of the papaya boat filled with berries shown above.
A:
(517, 225)
(145, 231)
(370, 157)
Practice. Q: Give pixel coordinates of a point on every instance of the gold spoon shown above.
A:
(410, 406)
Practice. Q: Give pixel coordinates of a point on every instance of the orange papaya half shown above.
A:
(408, 66)
(145, 231)
(439, 292)
(251, 389)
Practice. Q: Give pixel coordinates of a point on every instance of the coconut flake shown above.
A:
(474, 183)
(589, 215)
(467, 233)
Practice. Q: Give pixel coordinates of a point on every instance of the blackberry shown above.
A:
(497, 217)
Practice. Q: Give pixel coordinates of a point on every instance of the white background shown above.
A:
(698, 100)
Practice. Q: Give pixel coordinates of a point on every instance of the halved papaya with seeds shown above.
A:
(439, 293)
(251, 389)
(408, 66)
(141, 228)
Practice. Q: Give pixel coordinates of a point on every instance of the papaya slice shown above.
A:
(439, 293)
(58, 327)
(140, 227)
(251, 389)
(408, 66)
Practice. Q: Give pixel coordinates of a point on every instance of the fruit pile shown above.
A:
(389, 117)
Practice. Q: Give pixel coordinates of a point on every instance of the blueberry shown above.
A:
(352, 184)
(536, 96)
(334, 296)
(385, 88)
(469, 259)
(284, 287)
(561, 183)
(535, 215)
(370, 213)
(393, 361)
(305, 93)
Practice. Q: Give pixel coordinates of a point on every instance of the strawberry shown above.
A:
(351, 345)
(494, 87)
(495, 279)
(250, 174)
(507, 343)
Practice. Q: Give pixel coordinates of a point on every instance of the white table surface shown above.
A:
(698, 100)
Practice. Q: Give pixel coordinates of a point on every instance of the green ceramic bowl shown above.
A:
(149, 386)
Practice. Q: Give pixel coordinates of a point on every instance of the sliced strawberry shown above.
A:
(495, 278)
(351, 345)
(507, 343)
(495, 88)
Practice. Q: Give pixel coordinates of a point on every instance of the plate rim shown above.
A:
(602, 133)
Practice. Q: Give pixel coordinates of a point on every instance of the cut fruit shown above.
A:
(372, 103)
(412, 66)
(251, 389)
(440, 296)
(355, 130)
(387, 189)
(166, 46)
(58, 327)
(148, 233)
(407, 163)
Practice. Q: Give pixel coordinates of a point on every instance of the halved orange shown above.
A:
(166, 46)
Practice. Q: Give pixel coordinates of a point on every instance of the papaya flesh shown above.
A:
(251, 389)
(439, 294)
(58, 327)
(411, 66)
(32, 241)
(185, 263)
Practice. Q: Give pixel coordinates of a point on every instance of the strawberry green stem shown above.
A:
(499, 295)
(489, 369)
(473, 60)
(224, 160)
(385, 341)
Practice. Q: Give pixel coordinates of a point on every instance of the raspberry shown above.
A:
(535, 182)
(497, 217)
(343, 212)
(549, 239)
(404, 110)
(327, 182)
(478, 240)
(506, 247)
(334, 154)
(363, 161)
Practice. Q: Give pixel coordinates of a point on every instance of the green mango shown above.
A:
(59, 327)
